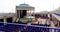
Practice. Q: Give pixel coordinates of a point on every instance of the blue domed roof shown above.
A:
(24, 5)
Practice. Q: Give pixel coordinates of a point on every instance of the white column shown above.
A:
(33, 12)
(27, 12)
(19, 13)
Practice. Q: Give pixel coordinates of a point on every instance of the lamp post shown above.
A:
(4, 17)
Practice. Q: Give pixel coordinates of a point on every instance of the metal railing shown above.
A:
(14, 27)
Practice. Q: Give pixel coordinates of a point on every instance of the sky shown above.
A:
(8, 6)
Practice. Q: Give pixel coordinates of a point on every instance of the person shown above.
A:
(39, 21)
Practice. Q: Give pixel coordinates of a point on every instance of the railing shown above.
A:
(14, 27)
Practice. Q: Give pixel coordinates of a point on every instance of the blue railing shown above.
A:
(57, 14)
(14, 27)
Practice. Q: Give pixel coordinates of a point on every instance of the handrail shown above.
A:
(32, 25)
(25, 25)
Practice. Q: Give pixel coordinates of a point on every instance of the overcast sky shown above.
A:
(7, 6)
